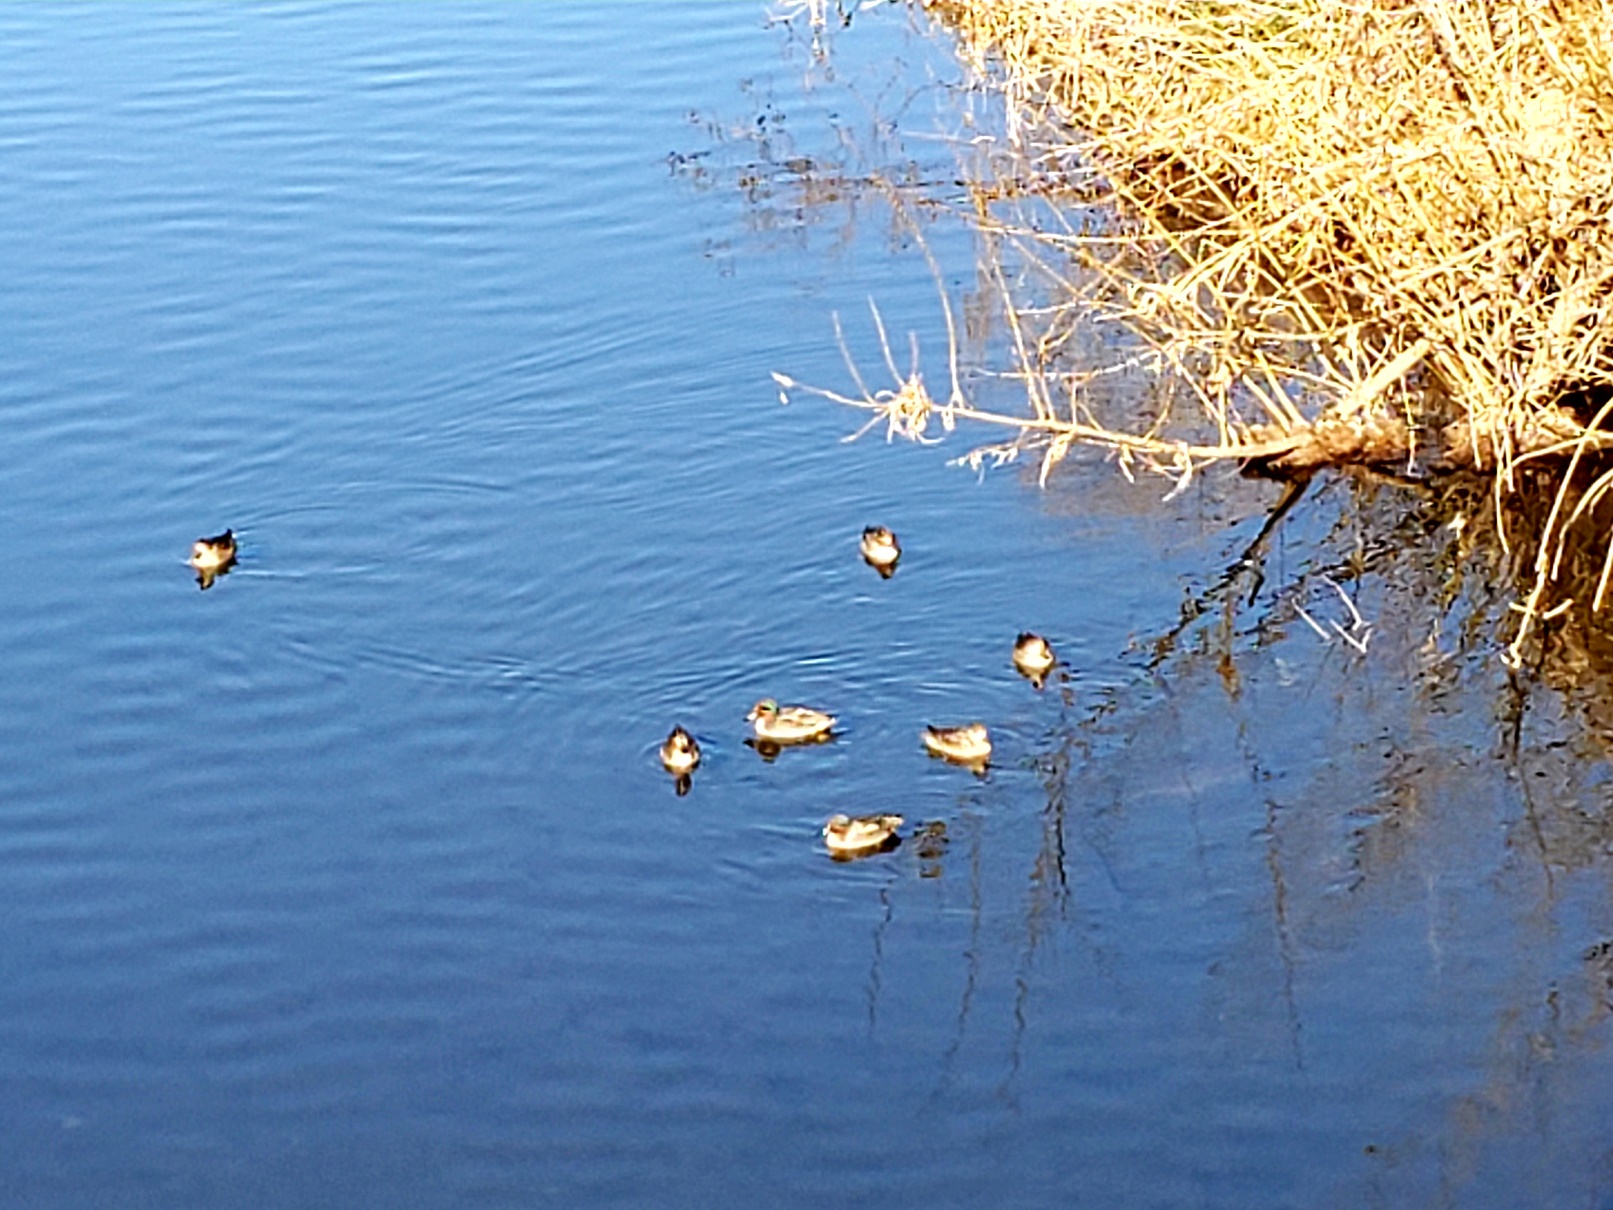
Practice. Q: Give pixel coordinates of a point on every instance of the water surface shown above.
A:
(353, 879)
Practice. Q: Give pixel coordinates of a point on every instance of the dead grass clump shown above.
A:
(1390, 219)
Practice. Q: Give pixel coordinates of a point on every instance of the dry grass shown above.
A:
(1365, 232)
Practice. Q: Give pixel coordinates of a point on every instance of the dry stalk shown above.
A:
(1376, 232)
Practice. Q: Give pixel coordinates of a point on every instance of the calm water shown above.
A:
(353, 880)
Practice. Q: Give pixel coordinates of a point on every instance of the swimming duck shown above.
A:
(880, 550)
(681, 753)
(845, 836)
(930, 847)
(788, 724)
(967, 745)
(212, 558)
(213, 554)
(1033, 657)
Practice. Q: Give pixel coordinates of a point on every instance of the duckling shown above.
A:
(1033, 657)
(845, 836)
(968, 745)
(880, 550)
(213, 554)
(788, 724)
(681, 753)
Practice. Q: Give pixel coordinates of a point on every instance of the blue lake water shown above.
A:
(354, 880)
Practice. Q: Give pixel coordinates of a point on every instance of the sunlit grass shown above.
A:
(1373, 233)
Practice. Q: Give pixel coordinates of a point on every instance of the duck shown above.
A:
(848, 836)
(788, 724)
(1033, 657)
(681, 753)
(213, 554)
(966, 745)
(930, 845)
(880, 550)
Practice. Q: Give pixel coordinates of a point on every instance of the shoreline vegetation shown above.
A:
(1374, 235)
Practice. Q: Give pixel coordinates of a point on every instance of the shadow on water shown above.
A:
(1391, 832)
